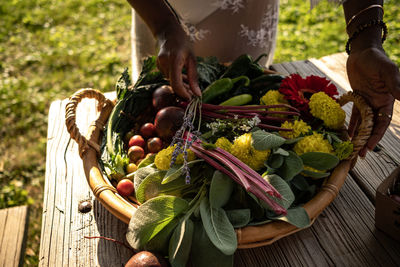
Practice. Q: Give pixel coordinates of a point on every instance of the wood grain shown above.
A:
(13, 232)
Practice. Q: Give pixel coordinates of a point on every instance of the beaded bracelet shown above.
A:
(362, 27)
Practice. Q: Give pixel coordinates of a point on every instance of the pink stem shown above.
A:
(275, 206)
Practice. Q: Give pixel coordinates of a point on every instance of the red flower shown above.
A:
(298, 90)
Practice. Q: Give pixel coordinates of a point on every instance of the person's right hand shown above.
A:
(174, 55)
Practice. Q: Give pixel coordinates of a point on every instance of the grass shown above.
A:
(49, 49)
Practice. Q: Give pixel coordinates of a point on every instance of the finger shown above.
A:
(176, 78)
(192, 76)
(382, 121)
(354, 121)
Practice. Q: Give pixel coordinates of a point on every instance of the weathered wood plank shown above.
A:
(13, 233)
(343, 235)
(63, 241)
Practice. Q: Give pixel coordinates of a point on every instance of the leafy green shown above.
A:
(152, 217)
(239, 217)
(218, 228)
(176, 171)
(203, 251)
(263, 140)
(180, 243)
(316, 175)
(297, 217)
(141, 174)
(320, 161)
(283, 188)
(220, 189)
(291, 166)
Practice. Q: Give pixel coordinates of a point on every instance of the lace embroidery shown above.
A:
(194, 33)
(233, 5)
(262, 37)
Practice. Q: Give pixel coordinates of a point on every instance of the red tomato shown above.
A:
(148, 130)
(137, 140)
(125, 187)
(154, 144)
(135, 153)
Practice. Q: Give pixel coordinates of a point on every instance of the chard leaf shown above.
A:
(320, 161)
(292, 166)
(283, 188)
(297, 217)
(152, 217)
(220, 189)
(204, 253)
(239, 217)
(218, 228)
(316, 175)
(263, 140)
(176, 171)
(180, 243)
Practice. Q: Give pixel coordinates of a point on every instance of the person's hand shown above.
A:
(374, 76)
(174, 55)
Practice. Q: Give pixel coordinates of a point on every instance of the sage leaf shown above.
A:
(263, 140)
(218, 228)
(275, 161)
(152, 217)
(160, 242)
(293, 140)
(316, 175)
(150, 186)
(204, 253)
(239, 217)
(297, 217)
(292, 166)
(282, 152)
(220, 189)
(180, 243)
(320, 161)
(176, 171)
(283, 188)
(141, 174)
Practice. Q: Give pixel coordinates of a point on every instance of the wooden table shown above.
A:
(343, 235)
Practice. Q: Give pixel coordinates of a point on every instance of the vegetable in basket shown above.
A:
(227, 166)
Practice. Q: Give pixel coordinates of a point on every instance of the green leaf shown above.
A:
(160, 242)
(275, 161)
(297, 217)
(316, 175)
(263, 140)
(293, 141)
(141, 174)
(220, 189)
(320, 161)
(260, 222)
(282, 152)
(204, 253)
(176, 171)
(152, 217)
(147, 161)
(180, 243)
(218, 228)
(292, 166)
(283, 188)
(300, 183)
(239, 217)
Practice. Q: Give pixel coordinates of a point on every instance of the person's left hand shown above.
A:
(375, 77)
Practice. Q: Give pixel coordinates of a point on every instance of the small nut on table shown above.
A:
(85, 206)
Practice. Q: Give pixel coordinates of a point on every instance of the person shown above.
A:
(371, 73)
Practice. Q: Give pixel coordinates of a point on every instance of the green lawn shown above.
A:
(49, 49)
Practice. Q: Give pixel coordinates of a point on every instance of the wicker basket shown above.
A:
(249, 236)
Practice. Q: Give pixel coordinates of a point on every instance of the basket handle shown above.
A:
(70, 117)
(366, 125)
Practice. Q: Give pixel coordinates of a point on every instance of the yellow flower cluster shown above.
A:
(313, 143)
(327, 109)
(224, 143)
(299, 127)
(244, 151)
(273, 97)
(163, 158)
(344, 150)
